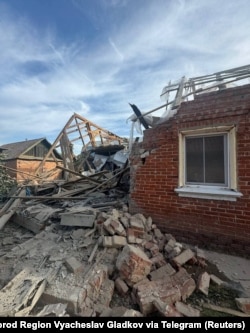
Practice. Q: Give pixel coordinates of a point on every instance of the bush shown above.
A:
(6, 182)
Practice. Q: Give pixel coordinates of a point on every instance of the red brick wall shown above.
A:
(213, 224)
(25, 169)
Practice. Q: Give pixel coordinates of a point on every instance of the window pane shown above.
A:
(214, 160)
(194, 160)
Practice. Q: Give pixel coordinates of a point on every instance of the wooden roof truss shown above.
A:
(81, 133)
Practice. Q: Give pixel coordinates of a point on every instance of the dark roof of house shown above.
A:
(15, 149)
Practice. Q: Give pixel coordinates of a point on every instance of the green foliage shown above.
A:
(6, 182)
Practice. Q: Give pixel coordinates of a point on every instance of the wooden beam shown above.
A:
(11, 210)
(19, 171)
(79, 174)
(225, 310)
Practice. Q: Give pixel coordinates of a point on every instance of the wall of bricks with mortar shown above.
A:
(214, 224)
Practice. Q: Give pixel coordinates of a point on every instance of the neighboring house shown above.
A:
(191, 173)
(23, 158)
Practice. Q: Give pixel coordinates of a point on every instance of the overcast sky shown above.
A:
(94, 57)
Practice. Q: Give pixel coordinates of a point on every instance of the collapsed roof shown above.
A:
(65, 254)
(78, 139)
(184, 89)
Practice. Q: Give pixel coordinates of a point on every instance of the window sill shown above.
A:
(208, 193)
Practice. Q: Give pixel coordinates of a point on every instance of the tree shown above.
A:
(6, 182)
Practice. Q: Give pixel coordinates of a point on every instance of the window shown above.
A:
(206, 160)
(207, 163)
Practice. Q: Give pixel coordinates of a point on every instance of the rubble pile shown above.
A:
(95, 262)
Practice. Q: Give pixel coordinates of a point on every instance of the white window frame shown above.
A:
(216, 192)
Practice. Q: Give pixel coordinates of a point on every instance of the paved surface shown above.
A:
(235, 268)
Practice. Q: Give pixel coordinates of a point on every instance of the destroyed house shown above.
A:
(21, 159)
(191, 171)
(80, 132)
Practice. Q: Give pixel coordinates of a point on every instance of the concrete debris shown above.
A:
(166, 310)
(187, 310)
(243, 304)
(183, 257)
(85, 219)
(203, 283)
(56, 310)
(95, 262)
(74, 265)
(20, 292)
(121, 286)
(216, 280)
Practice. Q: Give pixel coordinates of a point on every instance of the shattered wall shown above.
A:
(220, 224)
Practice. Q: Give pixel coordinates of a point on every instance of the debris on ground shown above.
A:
(70, 247)
(92, 258)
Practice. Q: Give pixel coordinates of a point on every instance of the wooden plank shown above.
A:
(52, 198)
(26, 311)
(62, 195)
(225, 310)
(81, 189)
(19, 292)
(22, 172)
(79, 175)
(109, 180)
(29, 223)
(11, 210)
